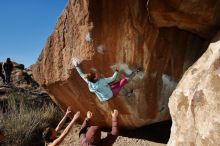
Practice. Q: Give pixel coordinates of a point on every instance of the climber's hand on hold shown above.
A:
(75, 62)
(117, 67)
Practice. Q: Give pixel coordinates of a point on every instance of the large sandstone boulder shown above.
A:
(108, 33)
(195, 103)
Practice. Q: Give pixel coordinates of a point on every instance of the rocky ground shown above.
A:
(152, 135)
(73, 140)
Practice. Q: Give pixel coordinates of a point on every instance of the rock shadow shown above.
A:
(158, 132)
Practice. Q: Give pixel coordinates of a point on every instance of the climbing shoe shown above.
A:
(129, 93)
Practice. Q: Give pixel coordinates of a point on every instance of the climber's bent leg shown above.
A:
(116, 87)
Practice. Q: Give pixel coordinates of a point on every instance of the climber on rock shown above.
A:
(91, 135)
(50, 134)
(8, 67)
(104, 88)
(1, 74)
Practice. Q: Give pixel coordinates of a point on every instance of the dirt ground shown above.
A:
(72, 139)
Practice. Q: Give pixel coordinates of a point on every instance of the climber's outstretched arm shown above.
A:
(82, 75)
(112, 78)
(57, 141)
(61, 123)
(111, 138)
(84, 127)
(75, 63)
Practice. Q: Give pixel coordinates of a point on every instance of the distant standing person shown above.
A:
(50, 134)
(1, 73)
(91, 135)
(8, 67)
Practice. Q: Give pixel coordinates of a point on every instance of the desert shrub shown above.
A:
(23, 123)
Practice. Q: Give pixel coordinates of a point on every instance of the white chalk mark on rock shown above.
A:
(169, 85)
(88, 37)
(127, 70)
(93, 69)
(100, 49)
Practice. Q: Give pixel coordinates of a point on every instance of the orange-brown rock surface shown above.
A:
(108, 33)
(195, 104)
(198, 16)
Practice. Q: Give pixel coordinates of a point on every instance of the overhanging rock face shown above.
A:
(108, 33)
(198, 16)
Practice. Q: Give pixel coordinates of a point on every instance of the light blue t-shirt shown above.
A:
(101, 87)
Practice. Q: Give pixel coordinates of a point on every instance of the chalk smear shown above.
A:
(100, 49)
(88, 37)
(128, 71)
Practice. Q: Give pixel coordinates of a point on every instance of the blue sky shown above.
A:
(25, 26)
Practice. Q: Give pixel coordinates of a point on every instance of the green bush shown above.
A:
(23, 124)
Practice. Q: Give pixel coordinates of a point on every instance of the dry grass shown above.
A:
(23, 123)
